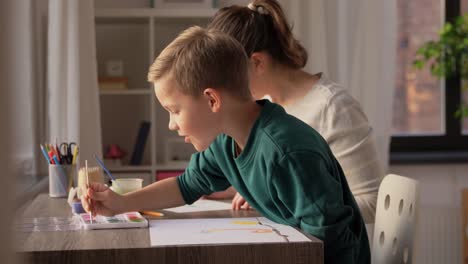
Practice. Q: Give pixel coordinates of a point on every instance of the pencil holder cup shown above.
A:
(61, 179)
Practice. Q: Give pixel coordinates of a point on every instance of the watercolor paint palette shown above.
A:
(126, 220)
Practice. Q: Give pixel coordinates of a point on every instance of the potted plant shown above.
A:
(448, 56)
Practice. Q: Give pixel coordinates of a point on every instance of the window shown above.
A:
(424, 110)
(464, 10)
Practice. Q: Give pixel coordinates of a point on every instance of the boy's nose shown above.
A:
(172, 125)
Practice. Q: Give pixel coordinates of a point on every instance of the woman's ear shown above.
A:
(258, 62)
(213, 97)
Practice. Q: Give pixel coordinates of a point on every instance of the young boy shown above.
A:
(280, 165)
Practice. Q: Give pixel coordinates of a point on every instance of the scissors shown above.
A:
(66, 152)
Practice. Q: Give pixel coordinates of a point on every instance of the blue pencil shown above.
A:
(57, 162)
(104, 168)
(45, 153)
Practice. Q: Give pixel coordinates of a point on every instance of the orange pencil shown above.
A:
(152, 213)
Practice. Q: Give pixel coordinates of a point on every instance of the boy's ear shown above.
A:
(213, 97)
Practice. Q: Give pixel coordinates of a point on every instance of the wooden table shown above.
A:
(134, 246)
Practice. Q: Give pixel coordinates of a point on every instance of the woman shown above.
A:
(277, 60)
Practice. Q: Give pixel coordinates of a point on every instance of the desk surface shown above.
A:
(133, 245)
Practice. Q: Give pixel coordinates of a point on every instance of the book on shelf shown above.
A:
(138, 150)
(113, 83)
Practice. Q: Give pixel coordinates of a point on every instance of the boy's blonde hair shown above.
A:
(199, 58)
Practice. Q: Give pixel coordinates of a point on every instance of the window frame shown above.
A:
(453, 145)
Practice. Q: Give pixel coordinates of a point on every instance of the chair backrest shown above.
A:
(395, 220)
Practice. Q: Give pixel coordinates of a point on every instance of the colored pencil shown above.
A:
(75, 153)
(106, 170)
(152, 213)
(46, 156)
(104, 167)
(51, 156)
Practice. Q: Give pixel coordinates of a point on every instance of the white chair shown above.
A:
(395, 220)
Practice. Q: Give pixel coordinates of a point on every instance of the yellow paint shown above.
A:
(245, 223)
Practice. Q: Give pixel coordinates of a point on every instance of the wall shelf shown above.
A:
(135, 36)
(172, 166)
(144, 91)
(129, 168)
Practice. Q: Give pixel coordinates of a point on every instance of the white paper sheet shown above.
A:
(221, 231)
(201, 206)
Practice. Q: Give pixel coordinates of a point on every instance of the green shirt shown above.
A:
(287, 173)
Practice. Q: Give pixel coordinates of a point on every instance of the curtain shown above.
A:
(12, 84)
(73, 101)
(354, 43)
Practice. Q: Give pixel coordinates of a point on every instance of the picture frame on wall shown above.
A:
(182, 3)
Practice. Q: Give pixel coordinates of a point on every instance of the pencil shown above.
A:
(51, 157)
(75, 153)
(57, 150)
(152, 213)
(87, 183)
(45, 153)
(106, 170)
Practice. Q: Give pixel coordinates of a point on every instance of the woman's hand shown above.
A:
(100, 200)
(238, 203)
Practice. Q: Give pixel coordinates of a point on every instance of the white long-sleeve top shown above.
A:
(338, 117)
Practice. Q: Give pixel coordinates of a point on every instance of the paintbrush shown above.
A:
(87, 183)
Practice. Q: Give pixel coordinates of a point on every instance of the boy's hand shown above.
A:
(99, 199)
(238, 203)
